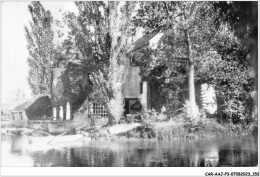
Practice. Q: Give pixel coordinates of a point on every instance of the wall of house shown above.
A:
(5, 115)
(136, 88)
(6, 118)
(17, 120)
(133, 80)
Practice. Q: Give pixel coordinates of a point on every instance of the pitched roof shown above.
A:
(142, 41)
(28, 103)
(139, 43)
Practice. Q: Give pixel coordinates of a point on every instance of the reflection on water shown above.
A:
(229, 151)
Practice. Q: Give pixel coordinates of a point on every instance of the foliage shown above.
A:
(39, 37)
(198, 38)
(231, 77)
(155, 116)
(220, 55)
(242, 20)
(188, 32)
(87, 45)
(97, 42)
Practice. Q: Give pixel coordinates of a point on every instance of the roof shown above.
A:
(28, 103)
(141, 41)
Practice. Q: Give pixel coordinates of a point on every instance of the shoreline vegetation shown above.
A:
(180, 126)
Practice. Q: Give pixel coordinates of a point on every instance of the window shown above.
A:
(21, 115)
(99, 110)
(13, 116)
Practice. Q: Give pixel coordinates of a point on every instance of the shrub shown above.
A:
(154, 116)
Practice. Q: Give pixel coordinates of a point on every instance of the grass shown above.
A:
(180, 126)
(183, 127)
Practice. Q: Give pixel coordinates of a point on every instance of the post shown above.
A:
(54, 113)
(68, 111)
(92, 121)
(61, 112)
(144, 96)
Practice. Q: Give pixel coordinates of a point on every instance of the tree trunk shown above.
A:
(192, 103)
(117, 81)
(89, 111)
(119, 62)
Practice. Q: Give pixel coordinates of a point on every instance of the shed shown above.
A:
(35, 108)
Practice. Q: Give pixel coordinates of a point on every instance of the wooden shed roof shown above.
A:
(28, 103)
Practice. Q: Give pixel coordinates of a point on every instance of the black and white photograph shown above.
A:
(130, 84)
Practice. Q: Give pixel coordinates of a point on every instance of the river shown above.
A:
(228, 151)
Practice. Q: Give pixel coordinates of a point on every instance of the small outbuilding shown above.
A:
(36, 108)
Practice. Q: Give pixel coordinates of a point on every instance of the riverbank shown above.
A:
(177, 127)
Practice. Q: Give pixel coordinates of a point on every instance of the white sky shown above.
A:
(14, 52)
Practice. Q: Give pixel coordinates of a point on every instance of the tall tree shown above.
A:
(97, 41)
(217, 47)
(39, 35)
(243, 19)
(188, 30)
(120, 31)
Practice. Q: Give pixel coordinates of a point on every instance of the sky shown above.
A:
(14, 52)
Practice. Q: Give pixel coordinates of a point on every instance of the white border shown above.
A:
(115, 171)
(120, 171)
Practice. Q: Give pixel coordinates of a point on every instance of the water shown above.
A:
(229, 151)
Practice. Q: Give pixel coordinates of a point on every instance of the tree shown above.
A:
(85, 48)
(218, 50)
(39, 37)
(188, 31)
(97, 41)
(120, 30)
(241, 18)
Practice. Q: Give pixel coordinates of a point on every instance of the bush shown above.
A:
(154, 116)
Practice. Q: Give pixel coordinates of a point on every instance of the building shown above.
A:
(141, 94)
(5, 115)
(36, 108)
